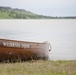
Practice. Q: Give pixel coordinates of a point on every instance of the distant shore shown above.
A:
(15, 13)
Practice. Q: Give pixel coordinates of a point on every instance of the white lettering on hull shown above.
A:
(15, 44)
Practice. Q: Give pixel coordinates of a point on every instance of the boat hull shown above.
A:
(20, 50)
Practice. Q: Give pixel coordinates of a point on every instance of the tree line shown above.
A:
(10, 13)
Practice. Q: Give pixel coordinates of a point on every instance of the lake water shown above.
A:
(61, 34)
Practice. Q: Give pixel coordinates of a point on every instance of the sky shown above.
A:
(44, 7)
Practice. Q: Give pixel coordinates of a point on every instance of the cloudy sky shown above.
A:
(44, 7)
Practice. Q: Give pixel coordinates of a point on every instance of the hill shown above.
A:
(10, 13)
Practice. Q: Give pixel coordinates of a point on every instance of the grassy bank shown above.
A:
(39, 68)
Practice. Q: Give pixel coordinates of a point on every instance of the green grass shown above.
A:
(39, 67)
(3, 15)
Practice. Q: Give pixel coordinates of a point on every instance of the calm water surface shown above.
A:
(60, 33)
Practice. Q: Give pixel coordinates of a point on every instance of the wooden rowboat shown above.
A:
(22, 50)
